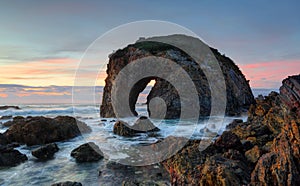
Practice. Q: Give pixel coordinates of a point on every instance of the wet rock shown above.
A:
(67, 183)
(45, 152)
(239, 95)
(88, 152)
(9, 107)
(234, 123)
(123, 129)
(3, 140)
(144, 183)
(41, 130)
(5, 117)
(253, 154)
(142, 125)
(10, 157)
(16, 120)
(118, 166)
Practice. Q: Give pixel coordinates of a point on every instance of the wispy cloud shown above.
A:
(46, 72)
(270, 74)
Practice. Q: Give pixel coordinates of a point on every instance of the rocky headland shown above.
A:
(239, 95)
(264, 150)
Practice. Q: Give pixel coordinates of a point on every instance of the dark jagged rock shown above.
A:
(142, 125)
(269, 154)
(239, 95)
(41, 130)
(67, 183)
(5, 117)
(229, 140)
(3, 140)
(87, 152)
(10, 157)
(16, 120)
(123, 129)
(45, 152)
(218, 164)
(9, 107)
(290, 93)
(144, 183)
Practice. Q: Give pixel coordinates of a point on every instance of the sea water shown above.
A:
(64, 168)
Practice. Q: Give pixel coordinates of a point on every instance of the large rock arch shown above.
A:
(239, 95)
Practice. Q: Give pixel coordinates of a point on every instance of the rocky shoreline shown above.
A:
(264, 150)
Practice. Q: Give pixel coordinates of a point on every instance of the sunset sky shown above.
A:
(41, 42)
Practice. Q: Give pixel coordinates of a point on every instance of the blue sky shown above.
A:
(262, 37)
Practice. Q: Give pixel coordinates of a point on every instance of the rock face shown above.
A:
(262, 151)
(239, 95)
(87, 152)
(10, 157)
(221, 163)
(45, 152)
(142, 125)
(290, 92)
(41, 130)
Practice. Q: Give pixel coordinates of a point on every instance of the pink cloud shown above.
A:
(270, 74)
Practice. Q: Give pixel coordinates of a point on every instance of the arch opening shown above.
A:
(138, 96)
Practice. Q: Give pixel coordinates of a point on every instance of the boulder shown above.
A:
(16, 120)
(67, 183)
(238, 92)
(3, 140)
(5, 117)
(142, 125)
(9, 107)
(88, 152)
(41, 130)
(10, 157)
(45, 152)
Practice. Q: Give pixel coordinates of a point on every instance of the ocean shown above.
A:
(63, 167)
